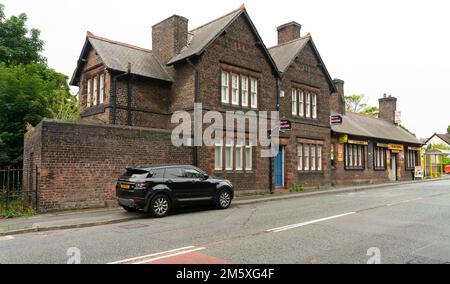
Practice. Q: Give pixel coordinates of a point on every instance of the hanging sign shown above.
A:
(343, 139)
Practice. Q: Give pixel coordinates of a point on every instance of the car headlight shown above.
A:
(141, 185)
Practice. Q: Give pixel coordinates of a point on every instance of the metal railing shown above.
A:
(12, 187)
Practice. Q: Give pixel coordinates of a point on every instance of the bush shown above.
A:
(297, 188)
(16, 208)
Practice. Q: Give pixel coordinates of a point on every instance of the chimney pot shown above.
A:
(388, 108)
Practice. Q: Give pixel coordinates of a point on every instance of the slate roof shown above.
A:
(284, 55)
(116, 56)
(445, 137)
(370, 127)
(202, 36)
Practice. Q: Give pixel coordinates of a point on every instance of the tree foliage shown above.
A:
(357, 103)
(448, 129)
(29, 89)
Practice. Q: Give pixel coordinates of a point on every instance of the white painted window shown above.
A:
(219, 155)
(254, 93)
(229, 155)
(300, 157)
(249, 157)
(319, 157)
(239, 155)
(313, 157)
(102, 88)
(89, 91)
(95, 90)
(350, 155)
(235, 89)
(225, 87)
(306, 157)
(301, 99)
(360, 155)
(308, 105)
(244, 87)
(294, 102)
(314, 106)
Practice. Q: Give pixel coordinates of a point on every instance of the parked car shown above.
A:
(158, 189)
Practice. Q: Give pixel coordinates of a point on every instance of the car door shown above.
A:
(202, 189)
(179, 185)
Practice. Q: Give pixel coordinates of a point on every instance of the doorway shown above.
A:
(279, 168)
(393, 175)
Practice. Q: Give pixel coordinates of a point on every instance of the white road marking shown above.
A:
(293, 226)
(7, 238)
(151, 255)
(168, 255)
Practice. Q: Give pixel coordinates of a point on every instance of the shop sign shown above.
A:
(395, 147)
(340, 152)
(418, 172)
(343, 139)
(382, 145)
(414, 148)
(358, 142)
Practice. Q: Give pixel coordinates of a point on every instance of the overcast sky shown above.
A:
(401, 48)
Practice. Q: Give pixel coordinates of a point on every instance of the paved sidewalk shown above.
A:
(89, 218)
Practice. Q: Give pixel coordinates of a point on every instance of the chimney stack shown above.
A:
(288, 32)
(169, 37)
(388, 108)
(337, 102)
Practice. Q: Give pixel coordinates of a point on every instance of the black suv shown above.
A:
(157, 189)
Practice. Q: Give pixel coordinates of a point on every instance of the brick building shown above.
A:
(368, 149)
(128, 94)
(225, 66)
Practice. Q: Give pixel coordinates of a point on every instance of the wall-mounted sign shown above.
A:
(395, 147)
(382, 145)
(356, 142)
(336, 119)
(285, 125)
(343, 139)
(414, 148)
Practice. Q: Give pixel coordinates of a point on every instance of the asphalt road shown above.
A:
(398, 224)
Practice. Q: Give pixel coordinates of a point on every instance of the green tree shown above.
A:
(357, 103)
(448, 129)
(29, 89)
(18, 45)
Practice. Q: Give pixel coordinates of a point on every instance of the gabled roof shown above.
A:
(116, 56)
(445, 137)
(284, 55)
(370, 127)
(203, 36)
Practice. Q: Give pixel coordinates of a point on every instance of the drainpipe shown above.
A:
(114, 94)
(129, 96)
(196, 100)
(272, 187)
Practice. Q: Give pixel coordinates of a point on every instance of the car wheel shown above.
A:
(160, 206)
(130, 209)
(223, 199)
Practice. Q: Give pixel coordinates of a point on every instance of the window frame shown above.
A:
(102, 88)
(253, 93)
(225, 87)
(355, 157)
(88, 90)
(245, 91)
(235, 89)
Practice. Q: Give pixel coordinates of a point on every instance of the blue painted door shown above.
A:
(279, 169)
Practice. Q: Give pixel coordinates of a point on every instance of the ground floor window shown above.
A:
(412, 159)
(233, 156)
(354, 157)
(380, 158)
(310, 156)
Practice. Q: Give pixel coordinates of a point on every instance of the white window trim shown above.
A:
(306, 154)
(218, 144)
(229, 145)
(254, 93)
(89, 87)
(225, 87)
(308, 105)
(102, 88)
(314, 106)
(95, 90)
(240, 146)
(301, 99)
(294, 102)
(313, 158)
(300, 157)
(234, 89)
(319, 157)
(245, 94)
(249, 157)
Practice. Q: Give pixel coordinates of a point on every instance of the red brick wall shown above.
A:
(79, 163)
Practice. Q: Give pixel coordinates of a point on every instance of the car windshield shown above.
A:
(136, 174)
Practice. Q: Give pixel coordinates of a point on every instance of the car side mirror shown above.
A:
(205, 177)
